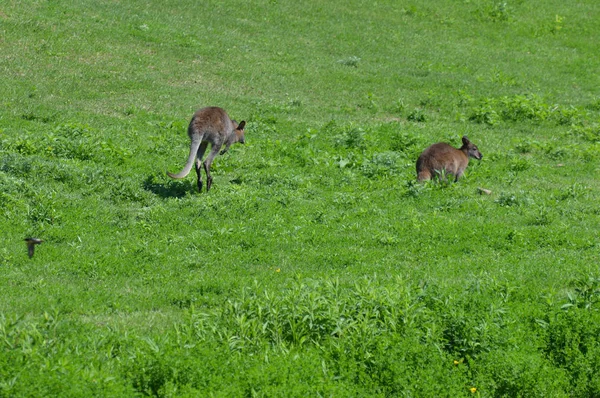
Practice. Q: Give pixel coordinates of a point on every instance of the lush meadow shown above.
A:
(316, 265)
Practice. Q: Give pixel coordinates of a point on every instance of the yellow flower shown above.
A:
(456, 362)
(278, 270)
(473, 390)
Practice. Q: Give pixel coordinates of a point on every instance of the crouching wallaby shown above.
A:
(209, 125)
(442, 159)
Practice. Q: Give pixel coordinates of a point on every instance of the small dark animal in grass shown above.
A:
(442, 159)
(211, 126)
(31, 242)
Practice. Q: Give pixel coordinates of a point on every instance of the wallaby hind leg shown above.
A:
(199, 156)
(459, 174)
(208, 162)
(424, 175)
(199, 174)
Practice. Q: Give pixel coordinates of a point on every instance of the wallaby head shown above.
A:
(239, 131)
(470, 149)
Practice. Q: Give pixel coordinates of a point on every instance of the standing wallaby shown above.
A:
(209, 125)
(441, 158)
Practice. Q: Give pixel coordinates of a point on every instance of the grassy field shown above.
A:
(316, 265)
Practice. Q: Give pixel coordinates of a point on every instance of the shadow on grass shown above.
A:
(172, 189)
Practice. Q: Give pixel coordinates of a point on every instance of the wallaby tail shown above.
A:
(190, 162)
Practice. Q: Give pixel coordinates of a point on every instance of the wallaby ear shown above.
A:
(241, 125)
(465, 140)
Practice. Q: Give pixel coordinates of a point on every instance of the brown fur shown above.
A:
(442, 158)
(211, 126)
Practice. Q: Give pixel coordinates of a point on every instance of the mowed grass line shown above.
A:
(316, 265)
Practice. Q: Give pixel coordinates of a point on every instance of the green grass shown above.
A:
(316, 265)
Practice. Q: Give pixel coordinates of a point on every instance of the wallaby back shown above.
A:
(442, 158)
(210, 125)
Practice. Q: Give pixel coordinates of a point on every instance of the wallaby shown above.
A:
(442, 158)
(210, 125)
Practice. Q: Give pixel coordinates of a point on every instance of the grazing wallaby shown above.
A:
(442, 158)
(209, 125)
